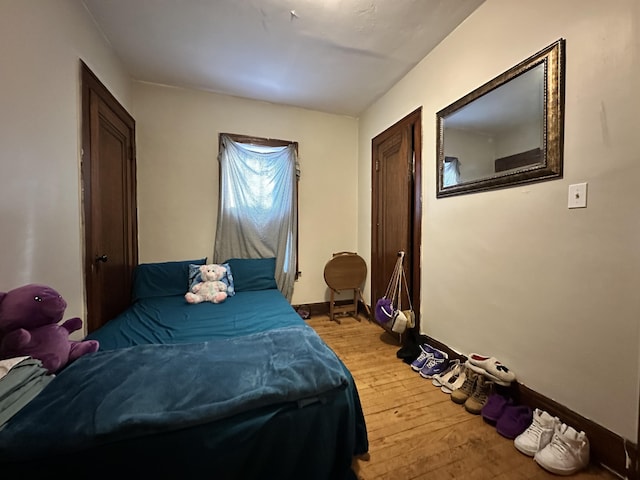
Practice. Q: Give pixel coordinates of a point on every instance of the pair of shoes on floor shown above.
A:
(491, 368)
(430, 362)
(474, 392)
(555, 446)
(452, 378)
(509, 418)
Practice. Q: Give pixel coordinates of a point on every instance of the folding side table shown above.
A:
(345, 271)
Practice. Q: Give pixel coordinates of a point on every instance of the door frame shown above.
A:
(92, 86)
(413, 120)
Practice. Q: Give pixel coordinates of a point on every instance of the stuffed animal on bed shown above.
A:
(210, 288)
(29, 317)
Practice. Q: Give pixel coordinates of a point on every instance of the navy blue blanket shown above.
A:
(113, 395)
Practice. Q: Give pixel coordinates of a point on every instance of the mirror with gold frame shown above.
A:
(507, 132)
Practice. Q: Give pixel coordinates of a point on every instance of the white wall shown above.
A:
(513, 273)
(520, 138)
(41, 44)
(475, 152)
(178, 175)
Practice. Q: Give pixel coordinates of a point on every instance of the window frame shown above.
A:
(265, 142)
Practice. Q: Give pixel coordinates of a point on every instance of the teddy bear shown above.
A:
(210, 288)
(29, 317)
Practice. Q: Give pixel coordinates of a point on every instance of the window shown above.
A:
(451, 174)
(258, 204)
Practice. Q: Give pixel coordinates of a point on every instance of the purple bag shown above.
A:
(384, 311)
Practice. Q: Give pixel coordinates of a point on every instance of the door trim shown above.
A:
(414, 120)
(90, 86)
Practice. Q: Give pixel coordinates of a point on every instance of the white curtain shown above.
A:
(257, 213)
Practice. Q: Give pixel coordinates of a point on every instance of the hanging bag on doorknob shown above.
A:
(386, 310)
(389, 308)
(399, 322)
(409, 314)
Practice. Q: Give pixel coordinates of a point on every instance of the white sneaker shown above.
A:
(566, 453)
(539, 433)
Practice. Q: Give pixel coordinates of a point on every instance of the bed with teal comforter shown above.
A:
(243, 389)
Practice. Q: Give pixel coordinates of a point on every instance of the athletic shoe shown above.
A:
(494, 408)
(480, 395)
(491, 368)
(538, 434)
(435, 364)
(426, 352)
(419, 362)
(466, 389)
(514, 420)
(566, 453)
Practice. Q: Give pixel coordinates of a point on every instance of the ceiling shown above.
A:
(335, 56)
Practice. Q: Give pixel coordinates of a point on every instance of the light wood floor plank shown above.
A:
(415, 431)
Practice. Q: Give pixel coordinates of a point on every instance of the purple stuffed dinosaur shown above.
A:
(29, 317)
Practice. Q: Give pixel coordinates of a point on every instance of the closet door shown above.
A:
(396, 207)
(109, 199)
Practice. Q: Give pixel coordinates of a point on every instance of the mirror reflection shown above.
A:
(508, 131)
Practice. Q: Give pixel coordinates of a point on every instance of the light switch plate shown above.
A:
(578, 195)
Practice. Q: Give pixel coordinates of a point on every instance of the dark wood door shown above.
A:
(109, 184)
(396, 207)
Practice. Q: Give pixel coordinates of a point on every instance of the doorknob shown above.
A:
(102, 258)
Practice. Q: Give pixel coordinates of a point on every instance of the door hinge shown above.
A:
(377, 165)
(412, 166)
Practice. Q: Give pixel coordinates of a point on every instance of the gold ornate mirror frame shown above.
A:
(485, 105)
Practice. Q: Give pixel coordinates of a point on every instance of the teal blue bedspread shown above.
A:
(149, 389)
(239, 390)
(173, 320)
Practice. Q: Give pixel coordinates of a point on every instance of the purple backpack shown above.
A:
(385, 311)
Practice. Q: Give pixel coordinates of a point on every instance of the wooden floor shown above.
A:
(415, 430)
